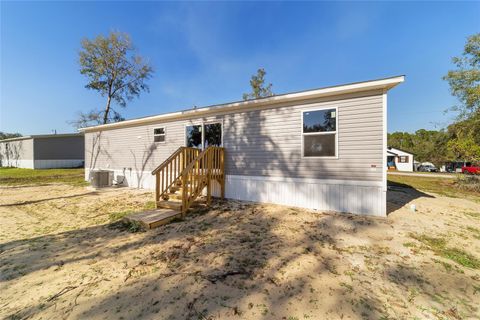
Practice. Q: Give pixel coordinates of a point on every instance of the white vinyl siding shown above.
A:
(18, 153)
(261, 142)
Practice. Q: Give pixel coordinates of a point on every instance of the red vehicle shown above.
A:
(473, 169)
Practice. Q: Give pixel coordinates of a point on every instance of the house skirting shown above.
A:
(43, 164)
(58, 163)
(18, 163)
(360, 197)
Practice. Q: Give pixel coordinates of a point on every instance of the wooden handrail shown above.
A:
(195, 169)
(169, 159)
(192, 164)
(207, 166)
(168, 173)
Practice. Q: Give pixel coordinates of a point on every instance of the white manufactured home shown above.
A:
(322, 149)
(46, 151)
(399, 160)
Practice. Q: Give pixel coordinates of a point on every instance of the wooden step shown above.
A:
(169, 204)
(175, 202)
(178, 197)
(153, 218)
(175, 196)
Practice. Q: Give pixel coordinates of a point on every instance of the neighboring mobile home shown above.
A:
(399, 160)
(322, 149)
(43, 151)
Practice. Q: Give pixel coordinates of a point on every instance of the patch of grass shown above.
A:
(475, 215)
(434, 243)
(469, 183)
(412, 294)
(350, 274)
(443, 186)
(124, 225)
(409, 245)
(475, 231)
(476, 289)
(348, 287)
(19, 176)
(448, 267)
(134, 226)
(439, 246)
(115, 216)
(461, 257)
(149, 205)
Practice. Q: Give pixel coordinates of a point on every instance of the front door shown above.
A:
(203, 135)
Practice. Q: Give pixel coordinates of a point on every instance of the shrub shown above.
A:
(469, 183)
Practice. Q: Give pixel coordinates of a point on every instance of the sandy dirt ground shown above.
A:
(63, 257)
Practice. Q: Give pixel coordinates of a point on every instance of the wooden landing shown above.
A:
(154, 218)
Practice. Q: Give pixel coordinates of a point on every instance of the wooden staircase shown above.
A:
(182, 178)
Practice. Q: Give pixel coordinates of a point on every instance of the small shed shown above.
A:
(43, 151)
(399, 160)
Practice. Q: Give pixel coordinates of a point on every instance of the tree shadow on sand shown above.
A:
(236, 259)
(23, 203)
(399, 195)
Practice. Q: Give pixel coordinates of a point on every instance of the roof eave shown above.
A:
(16, 139)
(38, 136)
(382, 84)
(58, 135)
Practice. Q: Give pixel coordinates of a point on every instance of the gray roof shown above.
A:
(59, 135)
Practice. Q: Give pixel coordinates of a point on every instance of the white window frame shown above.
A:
(156, 135)
(203, 124)
(319, 108)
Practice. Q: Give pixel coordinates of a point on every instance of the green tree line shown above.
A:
(426, 145)
(460, 141)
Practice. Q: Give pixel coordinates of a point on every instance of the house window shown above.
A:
(403, 159)
(194, 136)
(319, 133)
(203, 135)
(213, 135)
(159, 134)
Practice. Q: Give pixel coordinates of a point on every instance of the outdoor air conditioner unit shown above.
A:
(101, 178)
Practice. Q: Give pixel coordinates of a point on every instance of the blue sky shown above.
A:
(204, 53)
